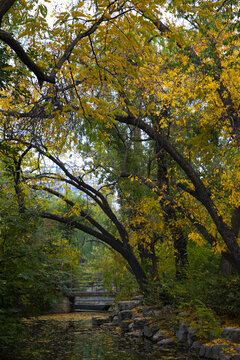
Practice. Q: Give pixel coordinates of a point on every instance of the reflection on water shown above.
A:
(71, 337)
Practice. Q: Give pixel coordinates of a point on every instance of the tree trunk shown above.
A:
(225, 265)
(135, 266)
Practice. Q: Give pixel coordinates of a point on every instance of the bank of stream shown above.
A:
(72, 337)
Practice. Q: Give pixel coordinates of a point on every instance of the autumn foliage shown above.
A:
(137, 106)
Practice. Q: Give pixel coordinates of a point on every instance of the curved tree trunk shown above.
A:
(124, 249)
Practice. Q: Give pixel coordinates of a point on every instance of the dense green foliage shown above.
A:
(36, 262)
(203, 287)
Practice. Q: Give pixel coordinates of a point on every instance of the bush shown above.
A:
(202, 287)
(222, 295)
(204, 321)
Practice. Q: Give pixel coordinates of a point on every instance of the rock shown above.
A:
(115, 320)
(128, 305)
(149, 330)
(160, 335)
(196, 346)
(124, 325)
(99, 321)
(182, 333)
(169, 341)
(235, 357)
(212, 351)
(224, 357)
(183, 314)
(134, 334)
(208, 351)
(107, 325)
(147, 311)
(136, 327)
(139, 299)
(191, 336)
(231, 334)
(217, 350)
(125, 315)
(202, 350)
(139, 322)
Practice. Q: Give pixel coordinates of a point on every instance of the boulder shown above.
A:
(124, 325)
(150, 329)
(224, 357)
(167, 342)
(134, 334)
(139, 322)
(115, 320)
(202, 350)
(182, 333)
(235, 357)
(232, 334)
(160, 335)
(125, 315)
(191, 336)
(184, 314)
(212, 351)
(128, 305)
(208, 351)
(99, 321)
(196, 346)
(217, 350)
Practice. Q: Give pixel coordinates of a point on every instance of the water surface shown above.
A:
(72, 337)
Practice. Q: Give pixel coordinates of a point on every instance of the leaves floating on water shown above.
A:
(71, 337)
(77, 316)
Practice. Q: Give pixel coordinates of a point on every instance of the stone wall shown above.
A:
(139, 322)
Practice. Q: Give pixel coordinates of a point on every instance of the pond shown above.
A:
(72, 337)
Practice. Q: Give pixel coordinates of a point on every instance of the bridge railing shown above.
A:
(87, 289)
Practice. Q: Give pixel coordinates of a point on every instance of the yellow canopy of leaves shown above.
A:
(138, 59)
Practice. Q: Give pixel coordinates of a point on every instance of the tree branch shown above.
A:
(167, 198)
(113, 242)
(82, 213)
(31, 65)
(5, 5)
(188, 190)
(235, 220)
(79, 184)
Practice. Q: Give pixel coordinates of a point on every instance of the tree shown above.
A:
(36, 262)
(167, 81)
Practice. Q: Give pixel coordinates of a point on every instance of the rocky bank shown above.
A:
(139, 322)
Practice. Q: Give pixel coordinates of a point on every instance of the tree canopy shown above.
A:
(146, 97)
